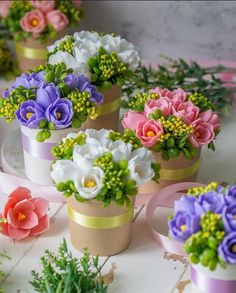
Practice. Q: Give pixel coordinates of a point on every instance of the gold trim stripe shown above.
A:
(108, 108)
(31, 53)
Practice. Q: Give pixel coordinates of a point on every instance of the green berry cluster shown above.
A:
(202, 246)
(200, 101)
(67, 45)
(138, 102)
(175, 126)
(197, 191)
(127, 137)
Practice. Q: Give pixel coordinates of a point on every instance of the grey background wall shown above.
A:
(191, 29)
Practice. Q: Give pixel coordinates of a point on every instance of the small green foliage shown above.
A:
(62, 272)
(200, 101)
(128, 137)
(138, 102)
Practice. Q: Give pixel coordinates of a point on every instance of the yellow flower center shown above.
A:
(34, 22)
(233, 248)
(21, 216)
(197, 134)
(28, 115)
(234, 216)
(58, 115)
(183, 227)
(90, 183)
(150, 133)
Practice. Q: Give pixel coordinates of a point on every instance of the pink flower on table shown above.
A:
(4, 8)
(211, 117)
(149, 132)
(186, 110)
(76, 3)
(33, 22)
(160, 104)
(203, 133)
(43, 5)
(25, 215)
(57, 19)
(132, 118)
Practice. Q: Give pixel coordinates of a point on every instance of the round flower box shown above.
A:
(108, 111)
(104, 230)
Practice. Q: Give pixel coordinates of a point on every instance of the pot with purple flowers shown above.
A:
(49, 102)
(205, 221)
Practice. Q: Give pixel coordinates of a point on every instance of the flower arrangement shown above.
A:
(24, 215)
(50, 98)
(104, 58)
(204, 220)
(39, 19)
(102, 165)
(173, 122)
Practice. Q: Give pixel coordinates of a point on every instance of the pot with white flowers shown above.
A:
(49, 103)
(107, 60)
(99, 173)
(204, 221)
(175, 125)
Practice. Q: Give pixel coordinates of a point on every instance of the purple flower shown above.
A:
(183, 225)
(47, 94)
(85, 85)
(72, 80)
(36, 78)
(6, 93)
(227, 249)
(229, 218)
(60, 113)
(230, 195)
(212, 201)
(188, 204)
(30, 114)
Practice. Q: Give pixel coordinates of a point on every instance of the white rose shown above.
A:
(119, 150)
(65, 57)
(140, 171)
(87, 35)
(100, 135)
(130, 57)
(89, 183)
(143, 154)
(84, 50)
(64, 170)
(110, 43)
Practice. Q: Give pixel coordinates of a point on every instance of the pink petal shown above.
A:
(21, 193)
(17, 233)
(41, 206)
(30, 220)
(23, 205)
(10, 204)
(41, 227)
(12, 219)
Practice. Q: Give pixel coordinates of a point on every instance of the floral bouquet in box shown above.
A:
(176, 124)
(205, 221)
(107, 60)
(99, 172)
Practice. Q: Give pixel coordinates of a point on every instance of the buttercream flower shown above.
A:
(43, 5)
(160, 104)
(57, 19)
(4, 8)
(230, 194)
(47, 94)
(183, 225)
(30, 114)
(203, 133)
(229, 218)
(64, 170)
(89, 183)
(119, 150)
(85, 85)
(29, 80)
(212, 201)
(140, 170)
(132, 118)
(143, 154)
(149, 132)
(60, 113)
(176, 96)
(211, 117)
(100, 135)
(187, 111)
(72, 80)
(227, 249)
(26, 215)
(33, 22)
(188, 204)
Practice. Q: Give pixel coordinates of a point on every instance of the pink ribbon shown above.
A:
(166, 198)
(210, 285)
(10, 182)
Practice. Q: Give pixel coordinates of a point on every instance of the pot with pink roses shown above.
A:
(174, 125)
(36, 24)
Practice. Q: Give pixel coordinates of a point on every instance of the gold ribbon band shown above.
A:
(179, 174)
(99, 222)
(31, 53)
(108, 108)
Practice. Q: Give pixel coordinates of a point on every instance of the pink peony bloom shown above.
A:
(160, 104)
(174, 96)
(132, 118)
(186, 110)
(149, 132)
(4, 8)
(203, 133)
(43, 5)
(57, 19)
(76, 3)
(211, 117)
(33, 22)
(26, 215)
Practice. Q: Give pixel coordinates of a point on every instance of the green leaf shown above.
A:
(43, 123)
(49, 76)
(106, 85)
(46, 134)
(62, 186)
(173, 152)
(40, 136)
(120, 81)
(170, 142)
(76, 123)
(165, 155)
(51, 126)
(211, 146)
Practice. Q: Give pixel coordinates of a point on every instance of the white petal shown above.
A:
(140, 171)
(64, 170)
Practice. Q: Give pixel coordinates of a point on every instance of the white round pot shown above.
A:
(218, 281)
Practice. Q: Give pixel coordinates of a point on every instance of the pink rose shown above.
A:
(149, 132)
(203, 133)
(57, 19)
(211, 117)
(25, 215)
(76, 3)
(160, 104)
(186, 110)
(4, 8)
(44, 6)
(33, 22)
(132, 118)
(176, 95)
